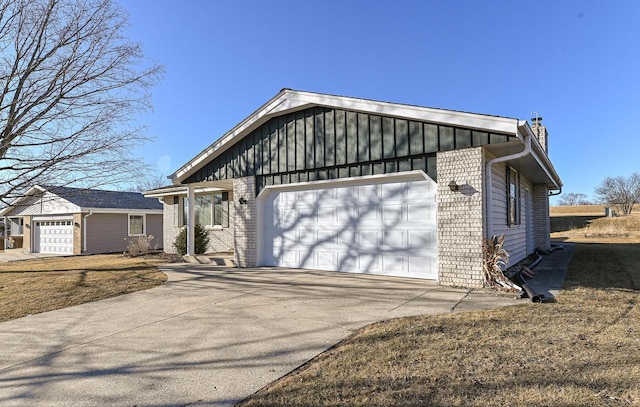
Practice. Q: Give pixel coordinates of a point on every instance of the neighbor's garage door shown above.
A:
(384, 226)
(54, 236)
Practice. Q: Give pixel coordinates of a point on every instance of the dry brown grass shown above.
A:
(577, 210)
(622, 228)
(583, 350)
(34, 286)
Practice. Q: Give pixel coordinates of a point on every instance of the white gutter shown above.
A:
(489, 177)
(84, 231)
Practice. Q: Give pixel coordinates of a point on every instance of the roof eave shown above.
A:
(287, 101)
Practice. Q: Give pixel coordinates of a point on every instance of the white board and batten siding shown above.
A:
(383, 226)
(518, 237)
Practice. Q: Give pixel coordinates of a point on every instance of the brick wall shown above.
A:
(245, 221)
(26, 234)
(541, 216)
(77, 233)
(220, 240)
(169, 230)
(460, 218)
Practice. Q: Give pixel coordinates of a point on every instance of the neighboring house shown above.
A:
(329, 182)
(64, 220)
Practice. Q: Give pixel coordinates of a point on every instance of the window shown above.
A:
(202, 209)
(176, 211)
(209, 210)
(136, 225)
(513, 197)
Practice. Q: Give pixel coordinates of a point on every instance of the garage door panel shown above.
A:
(55, 237)
(423, 266)
(327, 259)
(421, 212)
(393, 264)
(392, 214)
(369, 263)
(394, 240)
(290, 258)
(393, 192)
(380, 228)
(369, 215)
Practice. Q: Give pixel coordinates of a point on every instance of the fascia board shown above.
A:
(289, 101)
(540, 155)
(115, 210)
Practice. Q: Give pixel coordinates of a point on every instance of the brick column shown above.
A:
(77, 233)
(244, 221)
(541, 216)
(26, 234)
(460, 218)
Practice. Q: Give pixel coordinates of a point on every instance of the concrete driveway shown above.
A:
(210, 336)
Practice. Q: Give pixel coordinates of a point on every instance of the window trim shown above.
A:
(144, 224)
(514, 209)
(216, 224)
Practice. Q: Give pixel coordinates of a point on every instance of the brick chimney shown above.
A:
(540, 131)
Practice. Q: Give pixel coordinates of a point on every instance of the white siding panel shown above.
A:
(515, 236)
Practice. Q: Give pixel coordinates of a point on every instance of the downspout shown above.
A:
(523, 153)
(84, 231)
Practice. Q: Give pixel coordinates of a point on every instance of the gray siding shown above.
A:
(155, 228)
(109, 232)
(322, 143)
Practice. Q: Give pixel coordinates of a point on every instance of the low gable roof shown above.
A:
(101, 199)
(288, 101)
(88, 199)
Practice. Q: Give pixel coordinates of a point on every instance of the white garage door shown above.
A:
(385, 226)
(54, 236)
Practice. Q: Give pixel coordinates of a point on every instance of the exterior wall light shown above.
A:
(242, 201)
(454, 187)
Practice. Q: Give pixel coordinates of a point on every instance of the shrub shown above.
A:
(139, 245)
(201, 240)
(496, 259)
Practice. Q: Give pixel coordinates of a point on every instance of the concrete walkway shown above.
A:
(17, 254)
(210, 336)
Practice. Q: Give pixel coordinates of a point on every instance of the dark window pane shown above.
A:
(430, 138)
(416, 139)
(341, 143)
(480, 138)
(463, 138)
(446, 138)
(388, 138)
(375, 132)
(351, 137)
(402, 138)
(363, 137)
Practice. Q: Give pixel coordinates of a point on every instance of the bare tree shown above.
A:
(621, 192)
(151, 180)
(71, 85)
(572, 199)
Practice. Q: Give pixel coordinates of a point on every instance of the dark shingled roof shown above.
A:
(95, 198)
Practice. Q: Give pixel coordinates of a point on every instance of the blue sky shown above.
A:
(575, 62)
